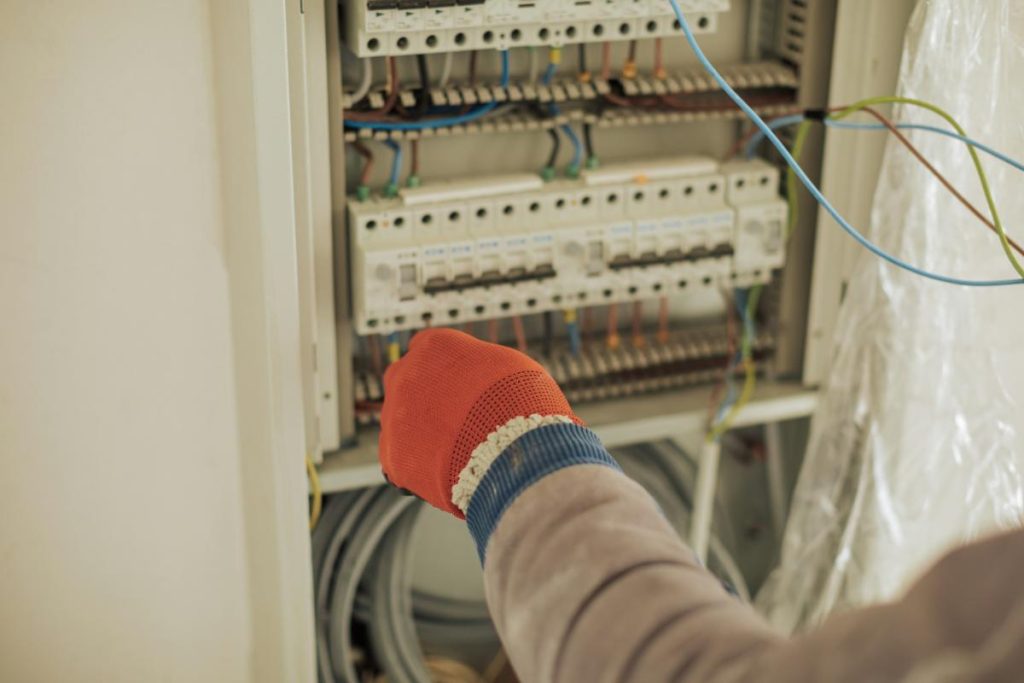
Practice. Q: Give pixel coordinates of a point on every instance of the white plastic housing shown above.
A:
(563, 244)
(409, 27)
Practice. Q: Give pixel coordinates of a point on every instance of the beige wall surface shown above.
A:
(122, 552)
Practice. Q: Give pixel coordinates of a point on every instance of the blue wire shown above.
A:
(811, 187)
(439, 123)
(574, 338)
(549, 73)
(577, 148)
(782, 122)
(786, 121)
(931, 129)
(740, 299)
(396, 162)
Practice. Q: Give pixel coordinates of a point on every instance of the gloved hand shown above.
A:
(442, 401)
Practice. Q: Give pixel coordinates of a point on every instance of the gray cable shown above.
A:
(387, 505)
(391, 627)
(347, 509)
(362, 569)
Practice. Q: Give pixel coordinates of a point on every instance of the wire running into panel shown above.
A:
(809, 184)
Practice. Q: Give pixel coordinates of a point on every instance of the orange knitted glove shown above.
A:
(445, 397)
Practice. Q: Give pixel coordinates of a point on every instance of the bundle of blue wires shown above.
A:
(577, 146)
(445, 122)
(807, 182)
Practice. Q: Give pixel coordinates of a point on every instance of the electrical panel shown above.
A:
(585, 206)
(476, 250)
(409, 27)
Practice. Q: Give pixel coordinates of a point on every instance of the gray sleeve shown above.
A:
(587, 581)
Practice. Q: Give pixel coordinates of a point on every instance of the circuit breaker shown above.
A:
(408, 27)
(497, 247)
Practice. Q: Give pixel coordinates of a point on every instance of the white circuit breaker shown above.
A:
(456, 252)
(407, 27)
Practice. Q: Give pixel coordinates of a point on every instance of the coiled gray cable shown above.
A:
(362, 573)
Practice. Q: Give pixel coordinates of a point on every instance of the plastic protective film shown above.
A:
(917, 443)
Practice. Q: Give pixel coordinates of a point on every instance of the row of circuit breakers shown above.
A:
(460, 251)
(397, 27)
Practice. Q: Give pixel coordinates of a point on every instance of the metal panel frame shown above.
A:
(866, 59)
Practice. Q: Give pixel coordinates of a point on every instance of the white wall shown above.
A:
(122, 552)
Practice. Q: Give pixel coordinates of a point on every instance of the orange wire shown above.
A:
(638, 325)
(606, 61)
(517, 328)
(659, 59)
(492, 330)
(663, 320)
(629, 68)
(613, 326)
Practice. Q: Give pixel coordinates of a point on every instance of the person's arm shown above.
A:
(586, 582)
(585, 579)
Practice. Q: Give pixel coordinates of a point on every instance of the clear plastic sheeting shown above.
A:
(917, 443)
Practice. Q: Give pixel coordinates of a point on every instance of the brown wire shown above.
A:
(586, 320)
(367, 155)
(638, 325)
(376, 361)
(389, 103)
(414, 146)
(888, 123)
(912, 148)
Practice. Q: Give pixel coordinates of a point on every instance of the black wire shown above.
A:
(588, 140)
(424, 103)
(583, 58)
(556, 145)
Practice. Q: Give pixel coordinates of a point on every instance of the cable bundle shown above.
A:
(362, 550)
